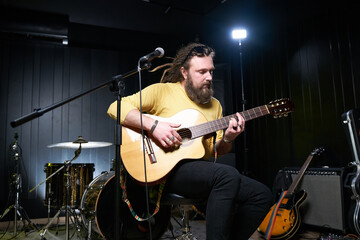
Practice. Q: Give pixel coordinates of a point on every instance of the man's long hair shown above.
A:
(182, 59)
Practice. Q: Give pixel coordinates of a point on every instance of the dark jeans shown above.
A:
(236, 204)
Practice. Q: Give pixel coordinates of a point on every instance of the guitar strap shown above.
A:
(127, 201)
(214, 147)
(273, 217)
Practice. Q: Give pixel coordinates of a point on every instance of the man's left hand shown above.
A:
(235, 128)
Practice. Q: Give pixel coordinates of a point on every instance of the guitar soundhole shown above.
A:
(185, 134)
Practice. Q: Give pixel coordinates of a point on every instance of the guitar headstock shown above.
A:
(281, 107)
(318, 151)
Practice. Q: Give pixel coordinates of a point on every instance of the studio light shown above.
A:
(239, 34)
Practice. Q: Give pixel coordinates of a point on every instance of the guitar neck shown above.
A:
(298, 177)
(215, 125)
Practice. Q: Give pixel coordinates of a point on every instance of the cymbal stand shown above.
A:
(18, 209)
(18, 185)
(67, 196)
(49, 202)
(67, 165)
(44, 230)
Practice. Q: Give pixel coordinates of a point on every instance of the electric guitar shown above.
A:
(354, 210)
(287, 218)
(194, 126)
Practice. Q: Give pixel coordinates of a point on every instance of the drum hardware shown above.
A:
(19, 211)
(81, 174)
(49, 202)
(68, 210)
(77, 143)
(89, 230)
(43, 232)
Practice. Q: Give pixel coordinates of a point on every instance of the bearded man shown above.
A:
(236, 204)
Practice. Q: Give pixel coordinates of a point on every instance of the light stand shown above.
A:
(239, 35)
(243, 102)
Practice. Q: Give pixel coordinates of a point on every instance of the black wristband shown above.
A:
(154, 126)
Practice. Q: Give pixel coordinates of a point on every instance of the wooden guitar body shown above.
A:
(132, 150)
(287, 218)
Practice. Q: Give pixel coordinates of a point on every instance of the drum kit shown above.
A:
(71, 188)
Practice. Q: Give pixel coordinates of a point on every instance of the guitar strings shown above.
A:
(209, 127)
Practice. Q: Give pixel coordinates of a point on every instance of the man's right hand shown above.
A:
(166, 134)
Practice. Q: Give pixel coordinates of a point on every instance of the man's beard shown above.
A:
(199, 95)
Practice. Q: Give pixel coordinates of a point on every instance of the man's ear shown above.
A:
(184, 72)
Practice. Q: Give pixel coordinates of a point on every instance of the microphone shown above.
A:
(159, 52)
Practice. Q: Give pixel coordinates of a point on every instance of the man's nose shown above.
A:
(209, 76)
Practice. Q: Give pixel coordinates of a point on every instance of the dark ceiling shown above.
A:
(157, 16)
(95, 21)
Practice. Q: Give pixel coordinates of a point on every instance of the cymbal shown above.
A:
(75, 145)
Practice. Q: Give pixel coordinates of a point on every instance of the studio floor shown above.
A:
(58, 231)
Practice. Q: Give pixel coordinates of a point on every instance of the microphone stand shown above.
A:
(119, 91)
(117, 86)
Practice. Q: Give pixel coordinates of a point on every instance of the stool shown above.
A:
(186, 206)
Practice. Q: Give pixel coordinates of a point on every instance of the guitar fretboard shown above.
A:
(298, 177)
(215, 125)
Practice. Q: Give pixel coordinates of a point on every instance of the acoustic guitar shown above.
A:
(286, 212)
(194, 127)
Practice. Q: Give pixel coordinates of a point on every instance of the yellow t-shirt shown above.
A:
(165, 100)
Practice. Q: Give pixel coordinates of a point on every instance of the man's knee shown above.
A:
(265, 195)
(228, 176)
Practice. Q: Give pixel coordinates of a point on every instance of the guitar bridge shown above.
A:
(149, 150)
